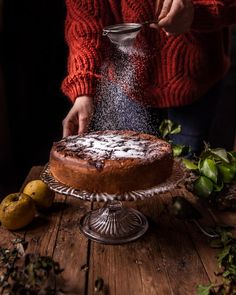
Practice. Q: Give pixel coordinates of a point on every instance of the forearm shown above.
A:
(83, 33)
(210, 15)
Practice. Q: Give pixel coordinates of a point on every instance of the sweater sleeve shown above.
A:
(83, 33)
(212, 15)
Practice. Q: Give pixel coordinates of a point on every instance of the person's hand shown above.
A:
(174, 16)
(80, 115)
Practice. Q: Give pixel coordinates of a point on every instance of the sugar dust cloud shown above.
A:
(114, 109)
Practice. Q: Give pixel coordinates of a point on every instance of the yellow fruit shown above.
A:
(40, 193)
(16, 211)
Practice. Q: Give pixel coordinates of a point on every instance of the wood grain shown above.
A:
(184, 267)
(134, 268)
(200, 241)
(72, 247)
(41, 234)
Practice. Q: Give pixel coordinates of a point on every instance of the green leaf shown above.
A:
(167, 127)
(226, 273)
(175, 129)
(217, 187)
(226, 173)
(221, 153)
(203, 187)
(209, 169)
(177, 150)
(231, 166)
(180, 150)
(223, 254)
(232, 268)
(232, 155)
(204, 290)
(190, 164)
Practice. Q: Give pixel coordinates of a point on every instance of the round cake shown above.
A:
(111, 161)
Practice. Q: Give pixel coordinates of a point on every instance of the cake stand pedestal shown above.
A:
(113, 223)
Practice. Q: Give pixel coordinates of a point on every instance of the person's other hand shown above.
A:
(174, 16)
(79, 117)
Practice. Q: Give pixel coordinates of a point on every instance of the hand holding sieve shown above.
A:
(125, 33)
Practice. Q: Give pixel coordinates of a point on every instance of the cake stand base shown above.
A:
(113, 224)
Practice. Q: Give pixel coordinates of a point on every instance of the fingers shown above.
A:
(79, 117)
(70, 124)
(162, 10)
(83, 124)
(85, 114)
(68, 128)
(166, 7)
(174, 10)
(176, 16)
(158, 7)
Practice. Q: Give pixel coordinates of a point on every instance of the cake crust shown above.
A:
(111, 161)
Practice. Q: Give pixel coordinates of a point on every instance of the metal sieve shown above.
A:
(125, 33)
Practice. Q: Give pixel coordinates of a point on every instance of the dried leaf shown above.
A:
(204, 290)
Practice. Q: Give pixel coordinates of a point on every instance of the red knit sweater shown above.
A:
(182, 68)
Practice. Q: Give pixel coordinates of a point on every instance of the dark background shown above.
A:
(33, 57)
(33, 63)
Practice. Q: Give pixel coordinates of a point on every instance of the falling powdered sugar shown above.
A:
(121, 72)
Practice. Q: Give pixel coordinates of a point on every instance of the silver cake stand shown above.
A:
(114, 223)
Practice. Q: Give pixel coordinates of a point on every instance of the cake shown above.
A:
(111, 161)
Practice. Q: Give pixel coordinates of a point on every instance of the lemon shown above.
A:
(16, 211)
(40, 193)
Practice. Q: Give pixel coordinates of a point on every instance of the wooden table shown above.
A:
(173, 257)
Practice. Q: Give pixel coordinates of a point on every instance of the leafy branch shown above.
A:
(168, 128)
(226, 260)
(220, 237)
(213, 170)
(32, 275)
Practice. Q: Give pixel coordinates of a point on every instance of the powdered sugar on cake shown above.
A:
(110, 146)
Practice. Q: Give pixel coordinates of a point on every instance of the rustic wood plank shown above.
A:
(134, 268)
(163, 261)
(200, 242)
(211, 217)
(183, 266)
(71, 249)
(41, 234)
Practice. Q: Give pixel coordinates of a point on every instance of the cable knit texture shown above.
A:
(179, 69)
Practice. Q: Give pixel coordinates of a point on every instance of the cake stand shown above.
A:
(114, 223)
